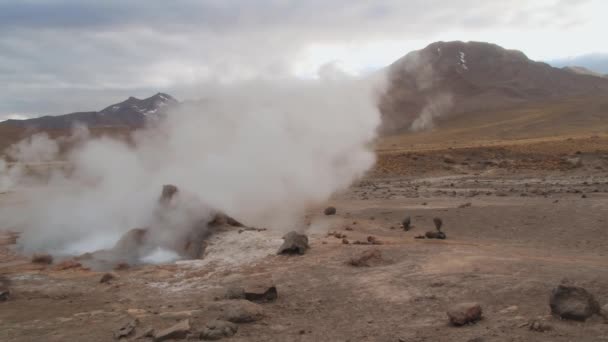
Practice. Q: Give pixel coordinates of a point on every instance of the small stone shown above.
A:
(261, 291)
(330, 211)
(464, 313)
(295, 243)
(407, 223)
(126, 330)
(178, 331)
(435, 235)
(345, 242)
(218, 329)
(573, 302)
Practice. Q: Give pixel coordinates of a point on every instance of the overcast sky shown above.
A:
(59, 56)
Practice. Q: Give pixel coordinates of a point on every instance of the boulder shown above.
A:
(260, 291)
(218, 329)
(330, 211)
(573, 302)
(178, 331)
(294, 243)
(435, 235)
(464, 313)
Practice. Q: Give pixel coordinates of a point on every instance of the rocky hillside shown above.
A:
(453, 78)
(132, 112)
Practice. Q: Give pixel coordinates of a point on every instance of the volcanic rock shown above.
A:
(5, 292)
(573, 302)
(464, 313)
(330, 211)
(294, 243)
(107, 277)
(407, 223)
(260, 292)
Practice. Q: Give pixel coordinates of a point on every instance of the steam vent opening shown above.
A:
(166, 240)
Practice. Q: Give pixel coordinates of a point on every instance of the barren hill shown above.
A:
(448, 80)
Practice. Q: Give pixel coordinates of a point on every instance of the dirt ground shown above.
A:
(519, 219)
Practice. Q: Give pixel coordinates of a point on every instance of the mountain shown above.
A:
(583, 71)
(596, 62)
(132, 112)
(450, 79)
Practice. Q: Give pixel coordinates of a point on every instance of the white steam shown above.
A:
(261, 152)
(436, 106)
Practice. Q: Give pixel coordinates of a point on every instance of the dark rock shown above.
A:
(126, 330)
(167, 194)
(573, 302)
(218, 329)
(345, 241)
(407, 223)
(107, 277)
(178, 331)
(420, 237)
(464, 313)
(45, 259)
(294, 243)
(329, 211)
(435, 235)
(367, 258)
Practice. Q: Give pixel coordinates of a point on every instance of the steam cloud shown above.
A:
(263, 152)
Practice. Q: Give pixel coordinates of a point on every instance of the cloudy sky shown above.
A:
(59, 56)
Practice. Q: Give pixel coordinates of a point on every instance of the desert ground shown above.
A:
(521, 217)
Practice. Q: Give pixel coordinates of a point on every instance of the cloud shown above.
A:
(67, 55)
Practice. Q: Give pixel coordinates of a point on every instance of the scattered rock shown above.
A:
(407, 223)
(107, 277)
(367, 258)
(465, 205)
(573, 302)
(178, 331)
(540, 326)
(240, 311)
(345, 241)
(45, 259)
(464, 313)
(294, 243)
(218, 329)
(126, 330)
(329, 211)
(419, 237)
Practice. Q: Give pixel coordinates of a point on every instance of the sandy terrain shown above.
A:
(519, 219)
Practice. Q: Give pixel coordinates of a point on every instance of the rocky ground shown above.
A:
(520, 220)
